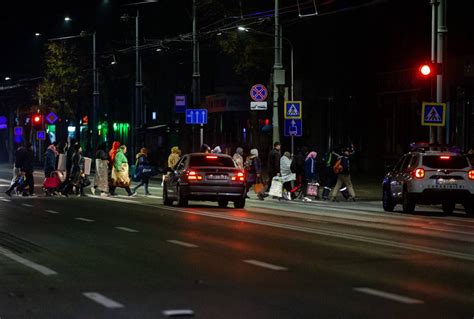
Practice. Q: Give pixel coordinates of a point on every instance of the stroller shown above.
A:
(51, 184)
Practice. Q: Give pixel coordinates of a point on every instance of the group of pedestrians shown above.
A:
(301, 175)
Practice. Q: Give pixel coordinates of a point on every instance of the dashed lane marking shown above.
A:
(103, 300)
(130, 230)
(41, 269)
(27, 205)
(87, 220)
(52, 212)
(388, 295)
(5, 200)
(182, 243)
(178, 313)
(264, 264)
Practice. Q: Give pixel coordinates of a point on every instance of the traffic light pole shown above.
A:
(196, 71)
(442, 31)
(278, 76)
(434, 45)
(95, 96)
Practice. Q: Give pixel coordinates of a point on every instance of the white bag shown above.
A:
(87, 165)
(276, 189)
(62, 162)
(289, 178)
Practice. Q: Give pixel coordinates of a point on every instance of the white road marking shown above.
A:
(155, 197)
(42, 269)
(182, 243)
(27, 205)
(103, 300)
(5, 200)
(264, 265)
(6, 181)
(130, 230)
(52, 212)
(5, 185)
(388, 295)
(114, 199)
(178, 313)
(87, 220)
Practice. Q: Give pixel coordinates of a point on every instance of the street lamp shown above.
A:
(137, 114)
(7, 78)
(67, 19)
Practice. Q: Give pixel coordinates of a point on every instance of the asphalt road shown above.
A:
(135, 258)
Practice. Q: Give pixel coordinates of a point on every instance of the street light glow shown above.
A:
(37, 34)
(159, 50)
(67, 19)
(7, 78)
(241, 28)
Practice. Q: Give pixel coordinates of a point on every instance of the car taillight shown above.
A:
(471, 174)
(419, 173)
(211, 157)
(193, 176)
(445, 157)
(239, 177)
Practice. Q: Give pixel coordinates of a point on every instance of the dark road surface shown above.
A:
(135, 258)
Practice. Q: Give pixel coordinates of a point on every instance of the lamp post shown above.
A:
(95, 85)
(137, 113)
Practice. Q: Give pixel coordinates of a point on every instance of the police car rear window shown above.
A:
(445, 162)
(211, 160)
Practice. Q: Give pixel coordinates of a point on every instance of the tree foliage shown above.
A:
(64, 77)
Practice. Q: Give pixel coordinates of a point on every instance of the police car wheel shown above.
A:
(387, 201)
(408, 203)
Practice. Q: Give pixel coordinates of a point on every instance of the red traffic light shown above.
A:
(425, 70)
(37, 119)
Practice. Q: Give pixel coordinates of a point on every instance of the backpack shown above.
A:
(337, 168)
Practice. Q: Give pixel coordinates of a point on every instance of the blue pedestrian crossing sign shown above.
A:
(433, 114)
(293, 109)
(293, 127)
(196, 116)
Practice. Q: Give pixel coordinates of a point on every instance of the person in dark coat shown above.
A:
(50, 159)
(28, 168)
(69, 154)
(253, 167)
(273, 165)
(20, 154)
(23, 164)
(77, 172)
(344, 177)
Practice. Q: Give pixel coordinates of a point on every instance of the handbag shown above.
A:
(120, 178)
(312, 189)
(51, 182)
(276, 190)
(258, 188)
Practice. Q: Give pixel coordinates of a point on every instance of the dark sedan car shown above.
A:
(205, 177)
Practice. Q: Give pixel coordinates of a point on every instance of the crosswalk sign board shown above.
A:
(433, 114)
(293, 110)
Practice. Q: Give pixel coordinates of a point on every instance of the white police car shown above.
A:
(429, 175)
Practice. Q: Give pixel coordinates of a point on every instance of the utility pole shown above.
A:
(434, 48)
(442, 31)
(95, 95)
(138, 88)
(278, 72)
(196, 71)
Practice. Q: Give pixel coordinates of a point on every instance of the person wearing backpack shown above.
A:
(342, 169)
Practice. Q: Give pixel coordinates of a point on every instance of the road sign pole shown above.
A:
(292, 145)
(202, 134)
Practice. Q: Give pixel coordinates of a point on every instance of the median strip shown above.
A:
(388, 295)
(264, 264)
(41, 269)
(182, 243)
(103, 300)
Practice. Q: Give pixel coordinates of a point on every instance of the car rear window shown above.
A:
(211, 160)
(445, 162)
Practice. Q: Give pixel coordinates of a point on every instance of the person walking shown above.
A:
(113, 152)
(297, 167)
(344, 177)
(142, 164)
(50, 159)
(273, 165)
(28, 168)
(69, 154)
(286, 174)
(238, 157)
(24, 159)
(173, 159)
(120, 172)
(310, 172)
(101, 179)
(253, 166)
(78, 178)
(328, 177)
(20, 155)
(217, 150)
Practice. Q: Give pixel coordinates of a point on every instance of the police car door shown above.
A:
(399, 176)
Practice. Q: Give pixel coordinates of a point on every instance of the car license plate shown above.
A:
(442, 183)
(217, 177)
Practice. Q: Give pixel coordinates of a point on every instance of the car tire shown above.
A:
(182, 199)
(223, 203)
(388, 202)
(240, 203)
(166, 200)
(448, 207)
(469, 208)
(408, 202)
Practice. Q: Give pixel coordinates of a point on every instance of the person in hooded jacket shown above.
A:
(113, 153)
(50, 159)
(77, 173)
(142, 162)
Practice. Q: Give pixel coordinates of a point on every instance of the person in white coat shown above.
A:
(286, 174)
